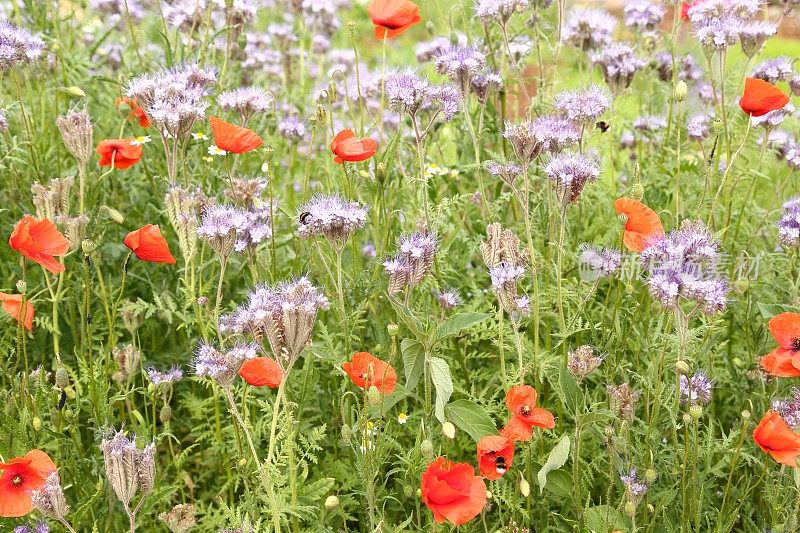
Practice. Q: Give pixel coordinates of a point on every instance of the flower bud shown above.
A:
(636, 191)
(165, 415)
(681, 90)
(113, 214)
(489, 495)
(241, 463)
(696, 411)
(426, 449)
(36, 423)
(524, 487)
(373, 396)
(650, 475)
(630, 509)
(408, 490)
(88, 246)
(346, 433)
(686, 418)
(746, 414)
(682, 368)
(331, 502)
(22, 286)
(449, 430)
(62, 378)
(393, 329)
(73, 90)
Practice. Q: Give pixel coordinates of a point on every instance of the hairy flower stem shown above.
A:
(515, 323)
(723, 110)
(722, 182)
(421, 163)
(115, 306)
(223, 262)
(559, 267)
(477, 149)
(740, 441)
(532, 260)
(791, 523)
(263, 473)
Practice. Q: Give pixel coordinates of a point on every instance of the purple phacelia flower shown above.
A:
(789, 224)
(619, 64)
(167, 377)
(773, 70)
(508, 172)
(773, 118)
(698, 127)
(446, 299)
(570, 172)
(596, 262)
(695, 390)
(331, 217)
(413, 262)
(17, 46)
(222, 365)
(650, 124)
(499, 10)
(753, 34)
(247, 101)
(292, 128)
(789, 409)
(635, 488)
(643, 14)
(544, 134)
(584, 105)
(589, 29)
(460, 63)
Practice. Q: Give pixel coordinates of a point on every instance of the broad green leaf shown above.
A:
(602, 518)
(443, 383)
(568, 391)
(470, 418)
(559, 483)
(413, 361)
(557, 458)
(458, 323)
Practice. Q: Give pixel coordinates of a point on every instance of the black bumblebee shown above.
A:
(602, 126)
(500, 464)
(304, 216)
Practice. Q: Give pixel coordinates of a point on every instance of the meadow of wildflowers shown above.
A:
(384, 266)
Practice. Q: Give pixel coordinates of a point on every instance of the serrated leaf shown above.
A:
(316, 490)
(443, 383)
(470, 418)
(413, 361)
(557, 458)
(458, 323)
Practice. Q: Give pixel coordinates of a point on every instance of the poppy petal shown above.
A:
(760, 97)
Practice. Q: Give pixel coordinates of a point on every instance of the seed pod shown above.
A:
(393, 329)
(449, 430)
(682, 367)
(165, 415)
(62, 378)
(650, 475)
(36, 423)
(696, 411)
(426, 449)
(331, 502)
(681, 90)
(22, 286)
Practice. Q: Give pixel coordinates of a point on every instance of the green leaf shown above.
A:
(443, 383)
(559, 483)
(770, 310)
(568, 391)
(470, 418)
(557, 458)
(413, 361)
(602, 518)
(316, 490)
(458, 323)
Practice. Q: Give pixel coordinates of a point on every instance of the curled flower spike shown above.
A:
(121, 153)
(775, 437)
(393, 17)
(643, 226)
(784, 361)
(521, 401)
(347, 147)
(20, 477)
(40, 241)
(495, 454)
(761, 97)
(149, 245)
(452, 491)
(233, 138)
(262, 372)
(12, 305)
(366, 370)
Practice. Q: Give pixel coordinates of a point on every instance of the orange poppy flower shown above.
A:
(262, 371)
(136, 111)
(233, 138)
(12, 305)
(452, 491)
(643, 227)
(366, 370)
(347, 147)
(21, 476)
(760, 97)
(775, 437)
(40, 241)
(149, 245)
(521, 401)
(121, 152)
(784, 361)
(392, 17)
(495, 454)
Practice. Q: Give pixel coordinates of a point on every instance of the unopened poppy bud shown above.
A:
(321, 114)
(650, 475)
(150, 388)
(453, 38)
(346, 433)
(682, 367)
(36, 423)
(426, 449)
(681, 90)
(408, 491)
(88, 246)
(636, 191)
(331, 502)
(738, 363)
(22, 286)
(630, 509)
(113, 214)
(686, 418)
(696, 411)
(650, 508)
(351, 25)
(333, 91)
(70, 393)
(449, 430)
(488, 495)
(609, 431)
(165, 415)
(242, 462)
(430, 28)
(524, 487)
(62, 378)
(380, 172)
(393, 329)
(374, 396)
(419, 493)
(746, 414)
(718, 126)
(741, 285)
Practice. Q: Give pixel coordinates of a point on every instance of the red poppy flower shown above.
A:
(774, 436)
(347, 147)
(262, 371)
(233, 138)
(136, 111)
(20, 477)
(392, 17)
(40, 241)
(760, 97)
(149, 245)
(452, 491)
(366, 370)
(120, 151)
(643, 227)
(12, 305)
(495, 454)
(784, 361)
(521, 401)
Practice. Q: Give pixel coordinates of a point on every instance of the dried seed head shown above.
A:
(129, 469)
(127, 358)
(180, 518)
(76, 132)
(52, 200)
(49, 500)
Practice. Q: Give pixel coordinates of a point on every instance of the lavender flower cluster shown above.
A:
(17, 46)
(789, 224)
(596, 262)
(410, 93)
(332, 217)
(414, 261)
(589, 29)
(619, 63)
(682, 265)
(695, 390)
(227, 228)
(789, 409)
(532, 138)
(222, 365)
(571, 172)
